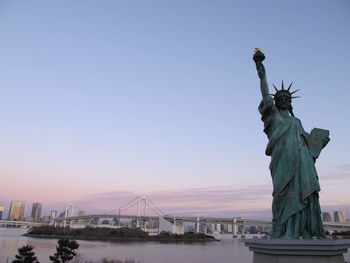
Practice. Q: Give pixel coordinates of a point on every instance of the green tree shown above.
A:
(26, 255)
(65, 251)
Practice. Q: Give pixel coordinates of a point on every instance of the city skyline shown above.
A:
(333, 214)
(101, 102)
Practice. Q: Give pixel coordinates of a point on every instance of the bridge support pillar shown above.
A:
(234, 227)
(145, 225)
(197, 225)
(212, 228)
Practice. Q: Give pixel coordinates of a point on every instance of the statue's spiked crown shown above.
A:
(259, 57)
(284, 92)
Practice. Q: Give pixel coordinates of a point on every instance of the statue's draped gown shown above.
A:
(295, 206)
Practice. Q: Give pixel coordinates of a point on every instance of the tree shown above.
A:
(65, 251)
(26, 255)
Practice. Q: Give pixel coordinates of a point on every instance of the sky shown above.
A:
(102, 101)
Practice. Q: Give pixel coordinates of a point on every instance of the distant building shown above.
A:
(2, 208)
(46, 219)
(327, 217)
(226, 228)
(81, 213)
(61, 215)
(16, 211)
(27, 219)
(36, 211)
(53, 214)
(339, 216)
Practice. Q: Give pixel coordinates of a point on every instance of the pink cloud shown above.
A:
(344, 167)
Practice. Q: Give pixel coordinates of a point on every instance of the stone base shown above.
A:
(298, 251)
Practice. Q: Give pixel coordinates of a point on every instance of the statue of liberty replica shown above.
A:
(295, 206)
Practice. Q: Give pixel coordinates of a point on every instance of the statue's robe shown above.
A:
(295, 207)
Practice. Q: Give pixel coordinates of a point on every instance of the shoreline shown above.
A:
(124, 239)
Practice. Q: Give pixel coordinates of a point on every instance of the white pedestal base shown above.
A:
(298, 251)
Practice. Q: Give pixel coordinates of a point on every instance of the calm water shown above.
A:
(225, 251)
(228, 250)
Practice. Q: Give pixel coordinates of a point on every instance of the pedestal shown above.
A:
(298, 251)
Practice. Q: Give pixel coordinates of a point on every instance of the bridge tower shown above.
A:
(140, 200)
(68, 211)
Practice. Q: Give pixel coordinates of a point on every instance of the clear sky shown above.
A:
(104, 100)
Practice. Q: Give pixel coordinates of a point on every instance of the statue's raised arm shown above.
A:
(259, 58)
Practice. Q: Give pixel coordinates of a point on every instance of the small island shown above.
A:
(117, 234)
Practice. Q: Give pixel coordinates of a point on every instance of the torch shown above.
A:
(259, 58)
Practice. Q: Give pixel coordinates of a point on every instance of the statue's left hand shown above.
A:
(325, 141)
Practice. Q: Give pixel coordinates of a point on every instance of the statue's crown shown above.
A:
(284, 92)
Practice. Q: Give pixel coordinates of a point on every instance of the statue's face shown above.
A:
(283, 103)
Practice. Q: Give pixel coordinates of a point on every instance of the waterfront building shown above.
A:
(16, 211)
(166, 226)
(339, 216)
(327, 217)
(36, 211)
(2, 208)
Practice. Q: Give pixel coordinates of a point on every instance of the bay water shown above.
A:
(227, 250)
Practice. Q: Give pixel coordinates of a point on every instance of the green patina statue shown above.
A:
(295, 206)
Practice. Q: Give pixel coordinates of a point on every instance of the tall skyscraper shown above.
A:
(36, 211)
(327, 217)
(16, 211)
(339, 216)
(2, 208)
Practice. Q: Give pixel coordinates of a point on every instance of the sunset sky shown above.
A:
(104, 100)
